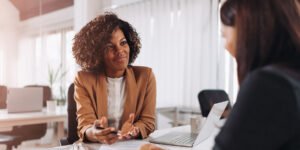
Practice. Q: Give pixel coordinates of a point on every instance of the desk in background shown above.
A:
(8, 120)
(175, 116)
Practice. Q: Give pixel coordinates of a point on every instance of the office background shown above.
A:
(180, 41)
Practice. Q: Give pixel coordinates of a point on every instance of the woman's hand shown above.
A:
(129, 131)
(99, 132)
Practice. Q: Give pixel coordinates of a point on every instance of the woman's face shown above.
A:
(116, 56)
(229, 34)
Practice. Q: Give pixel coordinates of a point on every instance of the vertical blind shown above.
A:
(180, 42)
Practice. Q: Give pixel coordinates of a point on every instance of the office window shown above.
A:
(38, 58)
(70, 61)
(179, 42)
(53, 57)
(1, 66)
(54, 50)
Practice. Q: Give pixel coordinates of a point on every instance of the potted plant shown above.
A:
(56, 77)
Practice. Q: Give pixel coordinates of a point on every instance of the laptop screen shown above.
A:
(24, 99)
(212, 118)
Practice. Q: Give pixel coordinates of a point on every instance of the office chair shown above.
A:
(35, 131)
(5, 138)
(72, 135)
(3, 95)
(207, 98)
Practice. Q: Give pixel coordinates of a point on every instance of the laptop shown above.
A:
(24, 99)
(188, 139)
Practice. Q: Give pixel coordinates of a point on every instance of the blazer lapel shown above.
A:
(101, 92)
(131, 95)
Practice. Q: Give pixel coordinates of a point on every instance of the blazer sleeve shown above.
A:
(146, 122)
(85, 112)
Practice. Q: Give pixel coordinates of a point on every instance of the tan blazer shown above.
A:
(91, 98)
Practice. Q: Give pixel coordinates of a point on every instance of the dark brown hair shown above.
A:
(90, 42)
(228, 12)
(268, 32)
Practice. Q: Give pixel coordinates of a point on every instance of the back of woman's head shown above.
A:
(228, 12)
(268, 31)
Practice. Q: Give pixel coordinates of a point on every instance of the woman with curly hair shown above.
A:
(110, 94)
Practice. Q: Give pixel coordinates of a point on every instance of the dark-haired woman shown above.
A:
(111, 94)
(264, 37)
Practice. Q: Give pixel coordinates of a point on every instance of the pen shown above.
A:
(101, 128)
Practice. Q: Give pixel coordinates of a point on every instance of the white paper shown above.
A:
(124, 145)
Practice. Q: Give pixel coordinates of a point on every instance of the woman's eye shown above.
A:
(109, 47)
(124, 42)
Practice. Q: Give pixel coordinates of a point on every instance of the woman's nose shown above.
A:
(119, 49)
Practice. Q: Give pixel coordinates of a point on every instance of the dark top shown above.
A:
(266, 115)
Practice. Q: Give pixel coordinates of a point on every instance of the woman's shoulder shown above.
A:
(141, 72)
(280, 74)
(85, 74)
(140, 69)
(271, 81)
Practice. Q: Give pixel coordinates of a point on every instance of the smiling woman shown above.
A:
(110, 94)
(116, 55)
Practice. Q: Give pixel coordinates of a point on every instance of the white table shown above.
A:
(205, 145)
(8, 120)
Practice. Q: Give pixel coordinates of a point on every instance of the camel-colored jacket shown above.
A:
(140, 98)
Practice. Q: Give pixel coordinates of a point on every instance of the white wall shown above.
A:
(48, 22)
(9, 32)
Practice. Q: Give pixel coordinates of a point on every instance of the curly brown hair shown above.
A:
(90, 42)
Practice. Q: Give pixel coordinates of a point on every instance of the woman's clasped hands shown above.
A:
(102, 133)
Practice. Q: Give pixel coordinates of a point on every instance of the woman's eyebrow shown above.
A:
(122, 38)
(109, 44)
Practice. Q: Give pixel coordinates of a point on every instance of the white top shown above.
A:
(115, 100)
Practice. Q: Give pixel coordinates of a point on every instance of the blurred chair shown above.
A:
(10, 141)
(72, 135)
(3, 95)
(207, 98)
(35, 131)
(5, 138)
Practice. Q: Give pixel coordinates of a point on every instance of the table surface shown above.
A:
(13, 119)
(205, 145)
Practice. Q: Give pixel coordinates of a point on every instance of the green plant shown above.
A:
(56, 76)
